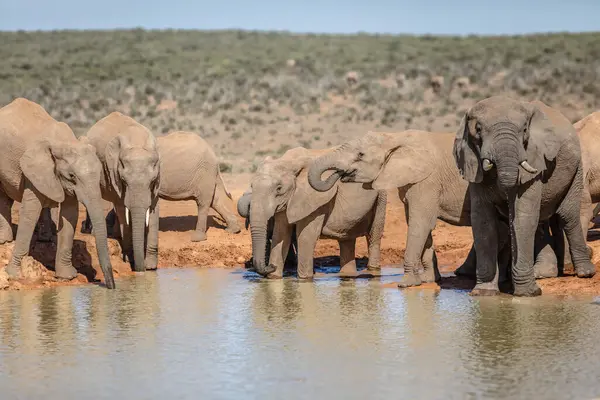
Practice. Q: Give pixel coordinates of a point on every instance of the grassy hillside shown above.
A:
(251, 93)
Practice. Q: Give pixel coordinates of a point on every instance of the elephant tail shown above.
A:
(221, 188)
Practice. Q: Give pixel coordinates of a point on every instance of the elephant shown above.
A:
(130, 180)
(243, 208)
(419, 164)
(523, 161)
(280, 190)
(46, 166)
(189, 170)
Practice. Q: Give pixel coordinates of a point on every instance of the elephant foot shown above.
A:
(151, 263)
(198, 236)
(428, 275)
(527, 290)
(348, 270)
(233, 228)
(6, 239)
(586, 269)
(67, 272)
(485, 289)
(409, 279)
(274, 276)
(374, 270)
(545, 270)
(13, 271)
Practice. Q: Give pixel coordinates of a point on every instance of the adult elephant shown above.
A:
(280, 190)
(243, 208)
(420, 166)
(189, 170)
(45, 166)
(523, 161)
(131, 181)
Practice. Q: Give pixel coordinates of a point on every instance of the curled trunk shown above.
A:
(138, 234)
(320, 165)
(99, 224)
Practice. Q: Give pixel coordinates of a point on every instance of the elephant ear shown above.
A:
(112, 155)
(38, 166)
(466, 158)
(404, 166)
(305, 200)
(543, 140)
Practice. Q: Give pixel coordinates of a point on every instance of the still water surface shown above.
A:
(191, 334)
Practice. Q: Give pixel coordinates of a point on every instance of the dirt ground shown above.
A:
(226, 250)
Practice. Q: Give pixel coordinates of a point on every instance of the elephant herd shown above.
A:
(519, 173)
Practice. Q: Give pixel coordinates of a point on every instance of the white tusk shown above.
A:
(147, 217)
(528, 167)
(487, 164)
(127, 215)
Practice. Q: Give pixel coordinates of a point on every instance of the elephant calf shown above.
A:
(280, 190)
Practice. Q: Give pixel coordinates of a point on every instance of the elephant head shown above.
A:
(507, 139)
(384, 160)
(135, 176)
(281, 186)
(56, 168)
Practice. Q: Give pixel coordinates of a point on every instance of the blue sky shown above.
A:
(331, 16)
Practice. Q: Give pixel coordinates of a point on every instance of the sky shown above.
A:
(452, 17)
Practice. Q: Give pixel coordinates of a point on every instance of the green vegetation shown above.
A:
(250, 84)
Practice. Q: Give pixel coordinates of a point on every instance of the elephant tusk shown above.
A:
(127, 215)
(487, 164)
(528, 167)
(147, 217)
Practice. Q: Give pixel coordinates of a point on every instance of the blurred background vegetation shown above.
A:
(251, 94)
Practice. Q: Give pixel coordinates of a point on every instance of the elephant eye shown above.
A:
(360, 156)
(279, 189)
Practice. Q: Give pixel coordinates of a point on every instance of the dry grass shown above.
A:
(252, 94)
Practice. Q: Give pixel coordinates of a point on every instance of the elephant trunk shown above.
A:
(507, 160)
(95, 213)
(259, 219)
(138, 233)
(319, 166)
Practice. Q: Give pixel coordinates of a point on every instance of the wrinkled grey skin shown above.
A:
(280, 190)
(131, 181)
(420, 166)
(243, 208)
(45, 166)
(522, 161)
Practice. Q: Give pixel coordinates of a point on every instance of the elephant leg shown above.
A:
(469, 266)
(6, 233)
(219, 204)
(199, 235)
(308, 231)
(86, 225)
(485, 238)
(348, 257)
(421, 220)
(430, 272)
(570, 216)
(546, 264)
(69, 212)
(291, 260)
(151, 260)
(524, 210)
(376, 232)
(45, 229)
(29, 213)
(126, 237)
(280, 244)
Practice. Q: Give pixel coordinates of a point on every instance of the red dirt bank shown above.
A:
(227, 250)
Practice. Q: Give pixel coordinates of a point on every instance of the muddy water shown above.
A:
(190, 334)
